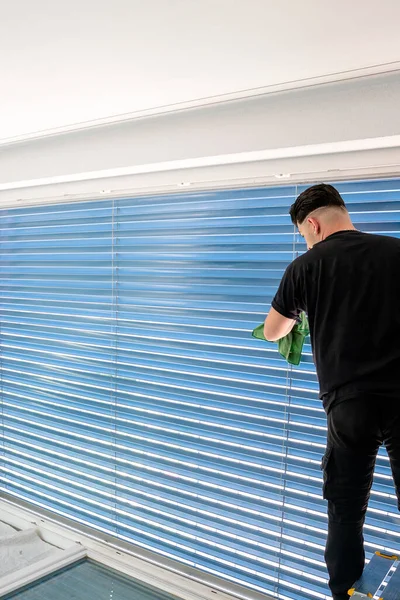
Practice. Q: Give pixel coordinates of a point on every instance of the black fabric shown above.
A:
(349, 286)
(356, 430)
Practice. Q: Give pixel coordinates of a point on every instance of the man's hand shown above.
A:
(276, 326)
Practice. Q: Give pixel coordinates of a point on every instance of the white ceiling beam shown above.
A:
(212, 161)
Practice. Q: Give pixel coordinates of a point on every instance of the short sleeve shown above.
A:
(288, 300)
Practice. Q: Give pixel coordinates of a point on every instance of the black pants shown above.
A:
(356, 430)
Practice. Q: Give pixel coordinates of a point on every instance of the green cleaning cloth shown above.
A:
(290, 346)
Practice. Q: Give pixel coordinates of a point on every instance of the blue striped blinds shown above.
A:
(135, 400)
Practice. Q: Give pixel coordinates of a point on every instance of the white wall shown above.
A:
(65, 62)
(346, 126)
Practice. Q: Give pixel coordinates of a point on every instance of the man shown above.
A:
(349, 285)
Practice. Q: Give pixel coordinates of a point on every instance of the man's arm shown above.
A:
(277, 326)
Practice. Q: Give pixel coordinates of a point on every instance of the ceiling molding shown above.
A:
(213, 161)
(379, 69)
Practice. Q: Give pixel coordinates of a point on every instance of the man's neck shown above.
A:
(347, 226)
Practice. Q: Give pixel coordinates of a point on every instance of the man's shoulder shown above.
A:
(306, 258)
(387, 240)
(297, 266)
(384, 244)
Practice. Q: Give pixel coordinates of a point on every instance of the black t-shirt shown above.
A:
(349, 286)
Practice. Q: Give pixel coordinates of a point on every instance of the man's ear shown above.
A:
(315, 224)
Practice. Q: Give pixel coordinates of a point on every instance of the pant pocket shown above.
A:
(325, 464)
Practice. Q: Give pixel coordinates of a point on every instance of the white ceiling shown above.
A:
(71, 61)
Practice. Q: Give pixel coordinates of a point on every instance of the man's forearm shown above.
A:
(277, 326)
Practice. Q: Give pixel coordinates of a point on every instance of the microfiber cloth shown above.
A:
(290, 346)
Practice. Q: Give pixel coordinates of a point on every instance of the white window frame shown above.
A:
(81, 542)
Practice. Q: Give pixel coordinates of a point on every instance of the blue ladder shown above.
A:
(392, 590)
(373, 577)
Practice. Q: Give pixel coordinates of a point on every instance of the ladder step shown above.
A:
(374, 573)
(392, 590)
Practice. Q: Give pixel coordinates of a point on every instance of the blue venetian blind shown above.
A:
(134, 400)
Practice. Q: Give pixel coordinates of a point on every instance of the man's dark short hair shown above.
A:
(312, 198)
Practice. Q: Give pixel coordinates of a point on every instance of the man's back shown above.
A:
(349, 284)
